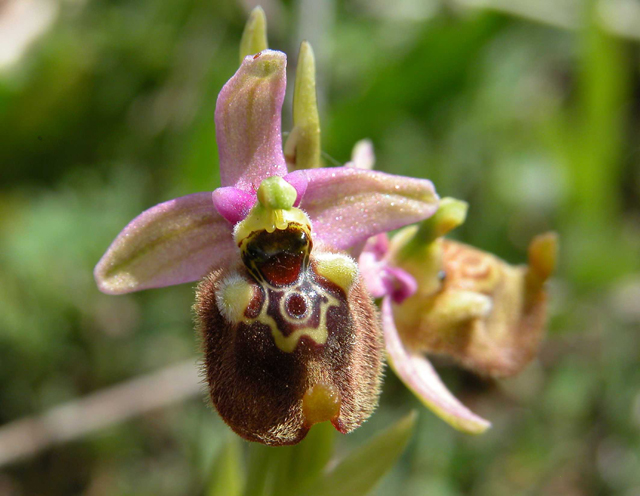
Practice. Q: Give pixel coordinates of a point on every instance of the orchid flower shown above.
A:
(445, 297)
(289, 333)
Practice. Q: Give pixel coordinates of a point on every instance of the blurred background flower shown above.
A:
(526, 110)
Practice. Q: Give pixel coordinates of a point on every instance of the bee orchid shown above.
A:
(289, 333)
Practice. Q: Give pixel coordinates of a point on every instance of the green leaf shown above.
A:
(301, 465)
(363, 468)
(262, 460)
(288, 470)
(227, 474)
(313, 453)
(602, 88)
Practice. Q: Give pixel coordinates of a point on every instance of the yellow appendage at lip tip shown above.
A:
(320, 403)
(543, 254)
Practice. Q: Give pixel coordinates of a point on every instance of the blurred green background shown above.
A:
(529, 110)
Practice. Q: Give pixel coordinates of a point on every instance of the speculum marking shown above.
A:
(295, 294)
(296, 305)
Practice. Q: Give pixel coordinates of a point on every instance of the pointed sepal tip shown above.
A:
(254, 36)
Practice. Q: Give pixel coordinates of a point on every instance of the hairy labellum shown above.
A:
(290, 335)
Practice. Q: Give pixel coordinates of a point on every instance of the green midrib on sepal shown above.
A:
(116, 268)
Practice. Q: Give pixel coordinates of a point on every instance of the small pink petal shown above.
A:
(248, 121)
(373, 266)
(402, 284)
(373, 274)
(380, 277)
(417, 373)
(349, 205)
(300, 183)
(233, 203)
(174, 242)
(378, 245)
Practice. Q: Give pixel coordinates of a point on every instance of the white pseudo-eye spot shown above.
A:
(233, 298)
(338, 268)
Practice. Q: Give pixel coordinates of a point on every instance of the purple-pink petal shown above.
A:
(380, 277)
(373, 269)
(300, 183)
(348, 205)
(402, 284)
(378, 246)
(174, 242)
(417, 373)
(248, 121)
(233, 203)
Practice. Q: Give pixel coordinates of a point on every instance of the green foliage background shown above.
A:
(534, 123)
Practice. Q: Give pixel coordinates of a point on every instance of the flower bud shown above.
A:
(302, 148)
(254, 36)
(290, 335)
